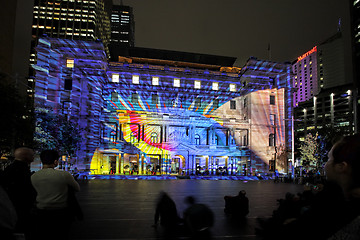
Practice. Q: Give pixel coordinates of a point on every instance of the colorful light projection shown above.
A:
(146, 124)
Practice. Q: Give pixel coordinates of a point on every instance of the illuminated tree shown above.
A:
(309, 151)
(53, 131)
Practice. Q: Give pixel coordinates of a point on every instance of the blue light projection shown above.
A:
(142, 128)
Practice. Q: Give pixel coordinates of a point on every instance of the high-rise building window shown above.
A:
(155, 81)
(215, 86)
(135, 79)
(197, 84)
(232, 87)
(232, 104)
(176, 82)
(115, 77)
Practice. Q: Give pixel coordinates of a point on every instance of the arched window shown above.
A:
(133, 139)
(272, 139)
(216, 139)
(154, 137)
(197, 139)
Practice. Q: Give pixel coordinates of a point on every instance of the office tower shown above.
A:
(15, 43)
(305, 76)
(79, 20)
(324, 66)
(122, 26)
(122, 30)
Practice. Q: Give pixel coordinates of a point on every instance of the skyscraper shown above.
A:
(122, 29)
(69, 19)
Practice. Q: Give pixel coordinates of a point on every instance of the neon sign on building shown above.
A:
(314, 49)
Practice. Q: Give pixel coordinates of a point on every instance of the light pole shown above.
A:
(292, 144)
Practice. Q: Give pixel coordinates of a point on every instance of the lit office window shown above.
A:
(135, 79)
(70, 63)
(197, 84)
(176, 82)
(232, 87)
(155, 81)
(115, 77)
(215, 86)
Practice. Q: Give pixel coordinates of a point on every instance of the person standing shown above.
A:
(17, 184)
(52, 187)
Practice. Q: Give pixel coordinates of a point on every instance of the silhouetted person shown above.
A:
(333, 212)
(237, 206)
(16, 182)
(8, 216)
(52, 187)
(166, 214)
(198, 219)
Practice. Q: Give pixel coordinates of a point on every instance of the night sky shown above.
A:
(237, 28)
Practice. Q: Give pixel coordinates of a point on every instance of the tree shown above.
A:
(309, 151)
(54, 131)
(16, 122)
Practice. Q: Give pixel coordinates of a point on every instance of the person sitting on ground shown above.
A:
(198, 218)
(166, 213)
(237, 206)
(52, 187)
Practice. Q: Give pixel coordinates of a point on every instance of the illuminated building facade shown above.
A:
(305, 76)
(140, 116)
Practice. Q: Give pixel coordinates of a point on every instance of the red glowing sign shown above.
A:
(307, 54)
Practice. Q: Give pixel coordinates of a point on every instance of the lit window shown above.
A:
(155, 81)
(197, 84)
(70, 63)
(232, 87)
(215, 86)
(115, 77)
(135, 79)
(176, 82)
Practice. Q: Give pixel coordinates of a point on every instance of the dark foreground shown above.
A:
(124, 209)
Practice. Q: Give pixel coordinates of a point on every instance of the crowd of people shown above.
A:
(326, 210)
(32, 204)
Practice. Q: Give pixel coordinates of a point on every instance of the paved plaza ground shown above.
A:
(124, 209)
